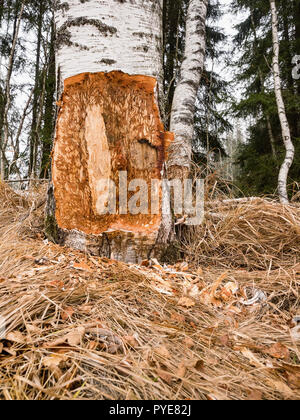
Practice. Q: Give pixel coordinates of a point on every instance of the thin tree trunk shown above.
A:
(286, 133)
(34, 125)
(7, 101)
(183, 108)
(18, 135)
(49, 112)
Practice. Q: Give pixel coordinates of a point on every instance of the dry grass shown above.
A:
(255, 234)
(79, 327)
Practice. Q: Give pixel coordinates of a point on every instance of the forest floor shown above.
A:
(82, 327)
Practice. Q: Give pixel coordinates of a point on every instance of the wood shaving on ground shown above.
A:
(80, 327)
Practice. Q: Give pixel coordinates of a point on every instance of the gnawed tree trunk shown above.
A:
(183, 108)
(110, 62)
(285, 128)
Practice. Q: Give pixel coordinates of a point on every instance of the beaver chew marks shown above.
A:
(108, 122)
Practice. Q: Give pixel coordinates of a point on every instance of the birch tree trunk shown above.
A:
(183, 108)
(286, 133)
(109, 65)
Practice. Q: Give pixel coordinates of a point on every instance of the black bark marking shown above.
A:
(64, 35)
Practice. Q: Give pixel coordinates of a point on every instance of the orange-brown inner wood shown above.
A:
(108, 122)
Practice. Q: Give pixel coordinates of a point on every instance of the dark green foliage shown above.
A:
(259, 167)
(210, 123)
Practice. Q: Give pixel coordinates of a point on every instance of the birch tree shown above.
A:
(109, 67)
(109, 35)
(286, 133)
(4, 139)
(183, 108)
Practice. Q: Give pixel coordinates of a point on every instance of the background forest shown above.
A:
(237, 129)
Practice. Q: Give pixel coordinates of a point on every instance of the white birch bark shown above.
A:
(286, 133)
(107, 35)
(183, 108)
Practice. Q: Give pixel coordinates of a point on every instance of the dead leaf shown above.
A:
(217, 283)
(33, 329)
(184, 267)
(55, 343)
(293, 380)
(165, 376)
(56, 283)
(67, 313)
(181, 370)
(199, 272)
(163, 352)
(158, 267)
(193, 291)
(278, 351)
(254, 361)
(280, 387)
(75, 337)
(86, 308)
(145, 263)
(131, 341)
(93, 345)
(53, 363)
(186, 302)
(82, 266)
(10, 351)
(228, 291)
(225, 340)
(16, 337)
(108, 341)
(295, 333)
(178, 318)
(234, 309)
(207, 298)
(188, 342)
(199, 365)
(254, 395)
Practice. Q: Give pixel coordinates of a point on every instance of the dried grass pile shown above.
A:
(79, 327)
(255, 233)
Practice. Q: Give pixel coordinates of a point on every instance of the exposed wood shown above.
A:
(110, 67)
(108, 123)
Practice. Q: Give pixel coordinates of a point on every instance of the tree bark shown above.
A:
(109, 61)
(183, 108)
(286, 133)
(49, 111)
